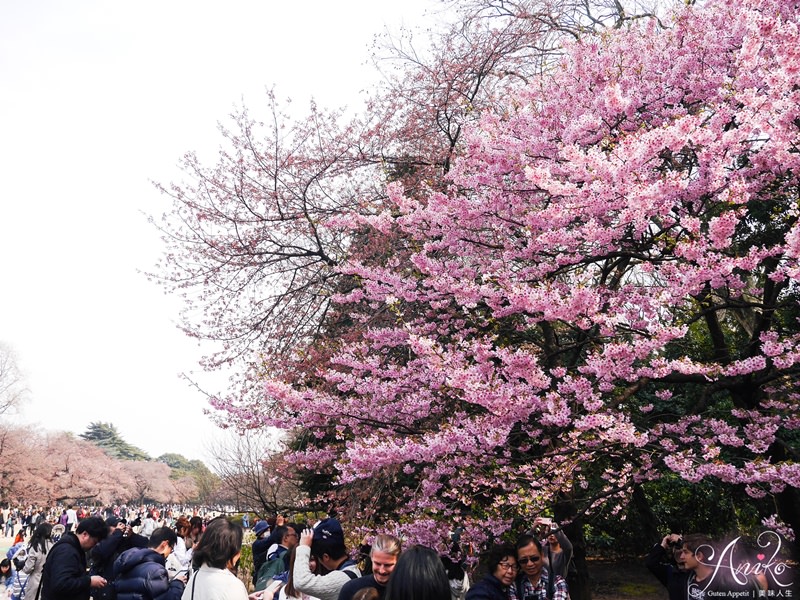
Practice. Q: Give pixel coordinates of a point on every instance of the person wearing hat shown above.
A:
(260, 546)
(326, 543)
(120, 538)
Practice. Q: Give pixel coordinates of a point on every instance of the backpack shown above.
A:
(343, 568)
(18, 585)
(273, 568)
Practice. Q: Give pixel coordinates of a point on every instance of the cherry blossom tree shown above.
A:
(576, 282)
(38, 467)
(151, 481)
(253, 242)
(606, 291)
(80, 471)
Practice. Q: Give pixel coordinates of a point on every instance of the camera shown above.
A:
(675, 544)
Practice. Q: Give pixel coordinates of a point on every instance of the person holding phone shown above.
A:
(556, 547)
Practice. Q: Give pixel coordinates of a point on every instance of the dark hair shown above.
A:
(40, 537)
(163, 534)
(291, 591)
(221, 541)
(418, 575)
(701, 542)
(333, 548)
(280, 533)
(196, 521)
(527, 540)
(94, 526)
(5, 563)
(496, 555)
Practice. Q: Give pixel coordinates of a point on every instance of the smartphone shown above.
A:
(274, 586)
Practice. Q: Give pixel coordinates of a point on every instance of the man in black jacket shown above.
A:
(120, 538)
(64, 576)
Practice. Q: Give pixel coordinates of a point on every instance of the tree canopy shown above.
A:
(578, 283)
(106, 436)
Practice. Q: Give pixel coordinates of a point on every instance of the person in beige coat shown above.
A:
(38, 547)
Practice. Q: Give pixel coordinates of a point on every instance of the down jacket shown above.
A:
(141, 574)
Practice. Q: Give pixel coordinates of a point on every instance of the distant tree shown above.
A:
(20, 462)
(80, 471)
(203, 481)
(176, 462)
(12, 384)
(152, 481)
(106, 437)
(186, 490)
(254, 475)
(208, 484)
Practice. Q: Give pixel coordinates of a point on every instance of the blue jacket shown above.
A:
(141, 574)
(488, 588)
(103, 556)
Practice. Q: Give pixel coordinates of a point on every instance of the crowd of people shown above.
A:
(317, 566)
(72, 553)
(157, 556)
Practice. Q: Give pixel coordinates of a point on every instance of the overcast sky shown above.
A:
(98, 98)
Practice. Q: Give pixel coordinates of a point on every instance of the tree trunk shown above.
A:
(650, 531)
(579, 588)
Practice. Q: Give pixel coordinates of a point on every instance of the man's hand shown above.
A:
(98, 582)
(672, 538)
(306, 537)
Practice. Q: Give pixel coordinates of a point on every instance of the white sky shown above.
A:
(97, 98)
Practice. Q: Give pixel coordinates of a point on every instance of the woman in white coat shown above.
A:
(215, 560)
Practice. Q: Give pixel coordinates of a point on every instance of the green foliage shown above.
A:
(677, 506)
(176, 462)
(180, 467)
(106, 437)
(246, 558)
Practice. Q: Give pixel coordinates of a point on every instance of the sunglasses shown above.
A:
(524, 560)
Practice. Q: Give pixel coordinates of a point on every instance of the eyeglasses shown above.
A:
(508, 567)
(524, 560)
